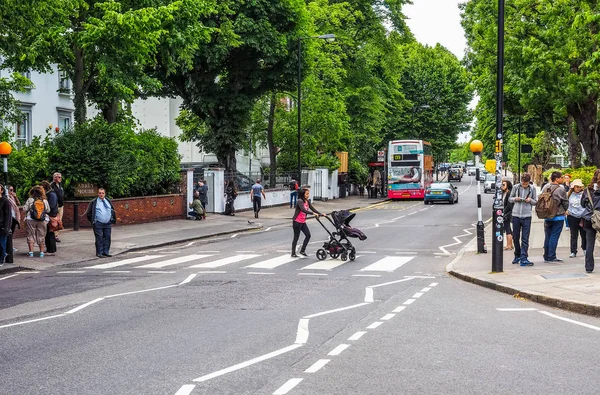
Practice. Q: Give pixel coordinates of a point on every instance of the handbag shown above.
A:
(55, 224)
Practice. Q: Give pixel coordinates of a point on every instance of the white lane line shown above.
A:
(174, 261)
(397, 218)
(412, 213)
(71, 272)
(328, 264)
(387, 264)
(267, 273)
(245, 252)
(12, 275)
(335, 310)
(516, 309)
(357, 335)
(186, 389)
(117, 271)
(141, 291)
(409, 301)
(426, 289)
(417, 295)
(377, 225)
(302, 332)
(268, 229)
(374, 325)
(27, 272)
(398, 309)
(368, 252)
(313, 274)
(125, 262)
(83, 306)
(224, 261)
(188, 279)
(433, 284)
(387, 317)
(571, 321)
(338, 350)
(273, 262)
(247, 363)
(211, 272)
(287, 387)
(30, 321)
(317, 366)
(159, 272)
(423, 209)
(369, 295)
(233, 236)
(366, 275)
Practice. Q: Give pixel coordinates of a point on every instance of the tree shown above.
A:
(9, 111)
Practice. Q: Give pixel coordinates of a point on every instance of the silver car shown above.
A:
(489, 185)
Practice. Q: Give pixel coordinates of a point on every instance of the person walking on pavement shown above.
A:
(50, 239)
(60, 194)
(14, 209)
(257, 191)
(196, 206)
(590, 201)
(5, 222)
(508, 207)
(574, 215)
(553, 226)
(524, 197)
(37, 210)
(101, 214)
(293, 193)
(303, 208)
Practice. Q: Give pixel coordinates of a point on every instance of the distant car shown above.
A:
(443, 167)
(454, 174)
(489, 185)
(470, 163)
(471, 170)
(482, 173)
(459, 167)
(441, 192)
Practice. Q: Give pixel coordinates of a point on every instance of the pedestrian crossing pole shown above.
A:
(498, 208)
(476, 147)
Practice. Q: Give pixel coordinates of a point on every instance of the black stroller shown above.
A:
(339, 244)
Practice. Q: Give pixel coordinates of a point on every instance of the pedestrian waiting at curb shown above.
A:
(15, 212)
(197, 208)
(5, 222)
(508, 207)
(591, 201)
(102, 216)
(574, 216)
(293, 193)
(57, 186)
(524, 197)
(255, 196)
(37, 210)
(303, 208)
(50, 239)
(553, 225)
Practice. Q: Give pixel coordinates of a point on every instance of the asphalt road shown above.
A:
(247, 320)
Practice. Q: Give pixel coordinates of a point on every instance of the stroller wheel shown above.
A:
(352, 254)
(334, 255)
(321, 254)
(344, 257)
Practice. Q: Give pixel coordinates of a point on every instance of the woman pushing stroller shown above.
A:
(303, 208)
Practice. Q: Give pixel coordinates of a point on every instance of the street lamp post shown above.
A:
(476, 147)
(328, 38)
(5, 150)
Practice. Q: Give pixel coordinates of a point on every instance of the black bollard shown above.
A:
(75, 216)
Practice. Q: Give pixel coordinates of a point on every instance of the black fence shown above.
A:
(244, 182)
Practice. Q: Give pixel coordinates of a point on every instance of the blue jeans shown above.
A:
(293, 198)
(521, 241)
(552, 230)
(3, 253)
(102, 235)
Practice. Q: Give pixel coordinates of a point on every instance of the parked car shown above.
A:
(441, 192)
(454, 174)
(482, 173)
(489, 185)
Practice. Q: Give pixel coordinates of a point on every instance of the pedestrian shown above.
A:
(524, 197)
(57, 186)
(303, 208)
(293, 193)
(361, 190)
(5, 222)
(101, 214)
(14, 209)
(574, 216)
(230, 196)
(12, 194)
(544, 182)
(203, 192)
(369, 186)
(567, 182)
(52, 198)
(590, 201)
(37, 210)
(196, 206)
(507, 217)
(257, 191)
(553, 226)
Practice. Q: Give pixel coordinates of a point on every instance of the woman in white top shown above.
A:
(574, 215)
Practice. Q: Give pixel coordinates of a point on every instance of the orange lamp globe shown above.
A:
(5, 148)
(476, 146)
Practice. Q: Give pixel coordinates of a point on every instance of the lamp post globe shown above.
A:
(5, 148)
(476, 146)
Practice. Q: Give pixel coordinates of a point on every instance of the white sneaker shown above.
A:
(573, 255)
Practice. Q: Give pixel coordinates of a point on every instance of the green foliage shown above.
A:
(585, 174)
(28, 165)
(9, 111)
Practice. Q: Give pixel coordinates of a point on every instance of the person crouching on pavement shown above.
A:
(303, 208)
(196, 206)
(524, 197)
(574, 215)
(553, 226)
(590, 201)
(101, 214)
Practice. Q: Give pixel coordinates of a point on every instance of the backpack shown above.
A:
(595, 219)
(38, 210)
(546, 206)
(293, 186)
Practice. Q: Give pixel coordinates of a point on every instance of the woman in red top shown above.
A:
(303, 208)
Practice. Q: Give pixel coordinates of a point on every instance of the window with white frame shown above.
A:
(64, 83)
(65, 119)
(23, 128)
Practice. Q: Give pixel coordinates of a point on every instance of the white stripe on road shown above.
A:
(374, 325)
(433, 284)
(30, 321)
(224, 261)
(117, 271)
(188, 279)
(71, 272)
(338, 350)
(186, 389)
(12, 275)
(313, 274)
(328, 264)
(273, 263)
(357, 335)
(387, 317)
(417, 295)
(159, 272)
(125, 262)
(317, 366)
(387, 264)
(287, 387)
(516, 309)
(260, 273)
(398, 309)
(426, 289)
(302, 332)
(335, 310)
(571, 321)
(174, 261)
(409, 301)
(83, 306)
(366, 275)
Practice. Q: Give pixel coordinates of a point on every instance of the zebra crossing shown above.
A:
(369, 263)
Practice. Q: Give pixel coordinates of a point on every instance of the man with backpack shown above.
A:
(524, 197)
(293, 193)
(551, 207)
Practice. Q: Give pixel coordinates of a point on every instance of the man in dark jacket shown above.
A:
(5, 222)
(60, 194)
(101, 214)
(591, 202)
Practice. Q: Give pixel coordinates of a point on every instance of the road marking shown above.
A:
(27, 272)
(387, 264)
(412, 213)
(83, 306)
(366, 275)
(302, 332)
(245, 252)
(71, 272)
(317, 366)
(571, 321)
(287, 387)
(398, 309)
(368, 252)
(225, 261)
(433, 284)
(516, 309)
(335, 310)
(426, 289)
(174, 261)
(313, 274)
(273, 262)
(409, 301)
(338, 350)
(369, 295)
(159, 272)
(212, 272)
(233, 236)
(30, 321)
(423, 209)
(188, 279)
(141, 291)
(186, 389)
(247, 363)
(125, 262)
(374, 325)
(117, 271)
(268, 229)
(328, 264)
(357, 335)
(417, 295)
(260, 273)
(387, 317)
(12, 275)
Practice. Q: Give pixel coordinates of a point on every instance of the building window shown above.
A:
(65, 119)
(23, 128)
(64, 83)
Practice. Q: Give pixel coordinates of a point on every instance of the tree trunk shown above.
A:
(110, 111)
(574, 144)
(585, 116)
(79, 90)
(228, 160)
(270, 142)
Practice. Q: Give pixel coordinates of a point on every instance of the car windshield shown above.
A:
(490, 177)
(440, 185)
